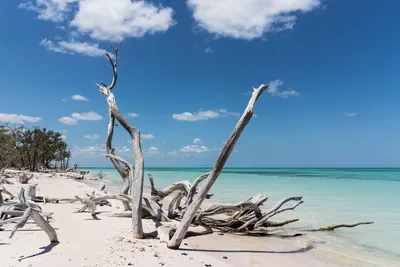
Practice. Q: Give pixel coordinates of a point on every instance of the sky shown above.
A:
(187, 67)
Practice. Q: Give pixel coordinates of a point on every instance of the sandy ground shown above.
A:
(108, 241)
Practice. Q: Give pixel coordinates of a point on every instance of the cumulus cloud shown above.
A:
(273, 89)
(194, 149)
(68, 121)
(73, 47)
(352, 114)
(135, 115)
(75, 117)
(203, 115)
(79, 98)
(247, 19)
(87, 116)
(96, 150)
(91, 136)
(147, 136)
(117, 19)
(104, 19)
(53, 10)
(19, 119)
(197, 141)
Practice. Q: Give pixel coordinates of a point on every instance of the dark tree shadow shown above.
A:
(300, 250)
(46, 249)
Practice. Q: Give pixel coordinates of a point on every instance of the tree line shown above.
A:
(32, 148)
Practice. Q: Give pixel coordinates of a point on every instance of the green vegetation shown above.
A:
(32, 149)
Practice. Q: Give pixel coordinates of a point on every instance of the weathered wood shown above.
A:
(174, 205)
(157, 195)
(219, 164)
(32, 212)
(30, 191)
(275, 209)
(137, 179)
(24, 178)
(333, 227)
(42, 223)
(193, 189)
(5, 191)
(221, 208)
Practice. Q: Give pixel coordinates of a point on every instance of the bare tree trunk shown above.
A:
(187, 219)
(137, 180)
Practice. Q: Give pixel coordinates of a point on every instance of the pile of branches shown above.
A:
(21, 211)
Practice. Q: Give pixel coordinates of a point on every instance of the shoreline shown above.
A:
(108, 242)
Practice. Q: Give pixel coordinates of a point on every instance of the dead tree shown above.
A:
(137, 179)
(187, 219)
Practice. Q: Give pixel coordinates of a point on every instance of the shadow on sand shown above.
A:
(300, 250)
(46, 249)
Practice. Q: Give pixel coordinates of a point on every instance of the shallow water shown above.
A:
(331, 196)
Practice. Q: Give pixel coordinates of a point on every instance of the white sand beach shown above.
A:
(84, 241)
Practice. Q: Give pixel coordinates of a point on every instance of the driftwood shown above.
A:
(219, 164)
(333, 227)
(157, 195)
(24, 178)
(29, 211)
(137, 179)
(3, 190)
(193, 189)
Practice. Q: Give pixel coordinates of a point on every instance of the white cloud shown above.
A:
(153, 151)
(194, 149)
(79, 98)
(147, 136)
(63, 136)
(15, 118)
(97, 150)
(118, 19)
(104, 19)
(353, 114)
(274, 90)
(135, 115)
(68, 121)
(247, 19)
(197, 141)
(209, 50)
(203, 115)
(87, 116)
(74, 47)
(53, 10)
(123, 149)
(91, 136)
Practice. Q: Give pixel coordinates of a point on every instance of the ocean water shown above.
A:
(331, 196)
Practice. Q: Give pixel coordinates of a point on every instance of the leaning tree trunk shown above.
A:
(187, 219)
(137, 179)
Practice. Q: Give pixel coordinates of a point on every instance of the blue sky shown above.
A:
(333, 66)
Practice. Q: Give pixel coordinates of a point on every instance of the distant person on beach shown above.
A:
(76, 166)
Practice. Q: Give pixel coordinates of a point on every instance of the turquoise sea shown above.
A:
(331, 196)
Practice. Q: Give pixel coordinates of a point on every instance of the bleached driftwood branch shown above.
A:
(187, 219)
(158, 195)
(30, 211)
(333, 227)
(137, 182)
